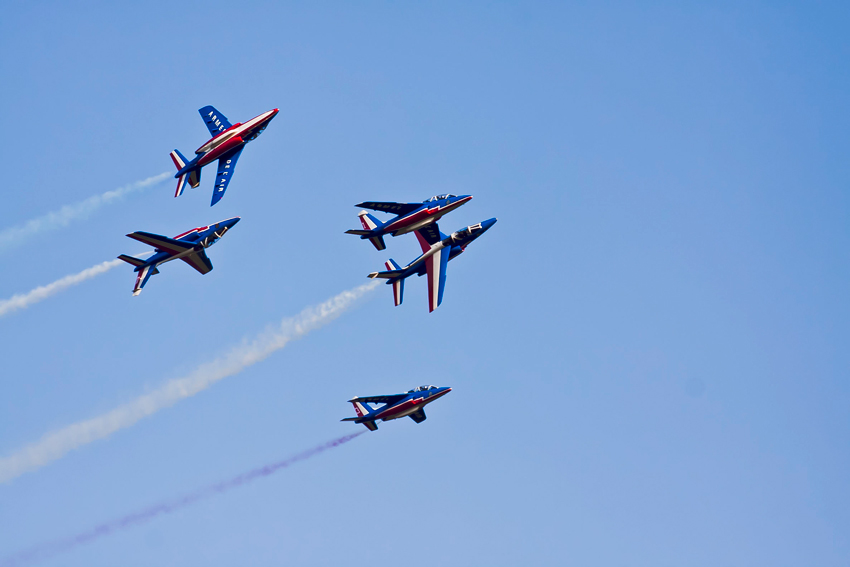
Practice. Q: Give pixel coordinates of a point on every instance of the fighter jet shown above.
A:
(437, 250)
(225, 146)
(395, 406)
(188, 247)
(409, 216)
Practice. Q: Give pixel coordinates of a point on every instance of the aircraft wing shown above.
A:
(390, 399)
(394, 208)
(429, 235)
(436, 265)
(225, 172)
(216, 121)
(199, 261)
(162, 243)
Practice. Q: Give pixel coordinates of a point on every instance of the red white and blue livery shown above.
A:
(411, 404)
(437, 250)
(226, 146)
(189, 247)
(409, 216)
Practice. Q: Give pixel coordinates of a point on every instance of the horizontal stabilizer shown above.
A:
(371, 425)
(391, 274)
(131, 260)
(359, 232)
(350, 419)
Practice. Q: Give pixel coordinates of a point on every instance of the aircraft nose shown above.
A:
(488, 223)
(229, 223)
(462, 198)
(274, 112)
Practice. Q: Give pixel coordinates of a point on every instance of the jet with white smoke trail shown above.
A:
(58, 443)
(24, 300)
(51, 549)
(54, 220)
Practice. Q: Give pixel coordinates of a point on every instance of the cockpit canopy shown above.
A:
(466, 232)
(438, 198)
(422, 389)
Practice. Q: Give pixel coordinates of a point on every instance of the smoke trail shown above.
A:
(61, 218)
(24, 300)
(45, 551)
(58, 443)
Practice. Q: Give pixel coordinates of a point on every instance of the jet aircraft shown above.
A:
(409, 216)
(395, 406)
(226, 146)
(189, 247)
(437, 250)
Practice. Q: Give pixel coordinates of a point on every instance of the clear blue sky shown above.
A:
(649, 351)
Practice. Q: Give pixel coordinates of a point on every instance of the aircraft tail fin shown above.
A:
(369, 223)
(398, 285)
(180, 162)
(361, 409)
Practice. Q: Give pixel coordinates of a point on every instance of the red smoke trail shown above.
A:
(47, 550)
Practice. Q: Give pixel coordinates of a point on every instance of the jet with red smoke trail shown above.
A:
(411, 404)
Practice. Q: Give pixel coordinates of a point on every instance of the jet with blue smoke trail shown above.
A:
(189, 247)
(437, 250)
(411, 404)
(226, 146)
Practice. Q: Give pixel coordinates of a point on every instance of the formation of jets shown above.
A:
(225, 146)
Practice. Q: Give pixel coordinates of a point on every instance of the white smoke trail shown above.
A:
(58, 443)
(24, 300)
(61, 218)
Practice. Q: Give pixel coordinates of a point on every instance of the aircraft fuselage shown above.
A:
(421, 218)
(229, 140)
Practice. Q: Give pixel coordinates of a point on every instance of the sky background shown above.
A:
(648, 351)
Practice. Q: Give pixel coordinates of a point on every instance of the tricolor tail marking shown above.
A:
(360, 409)
(179, 163)
(398, 285)
(367, 221)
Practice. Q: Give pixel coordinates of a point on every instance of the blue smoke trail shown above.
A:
(47, 550)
